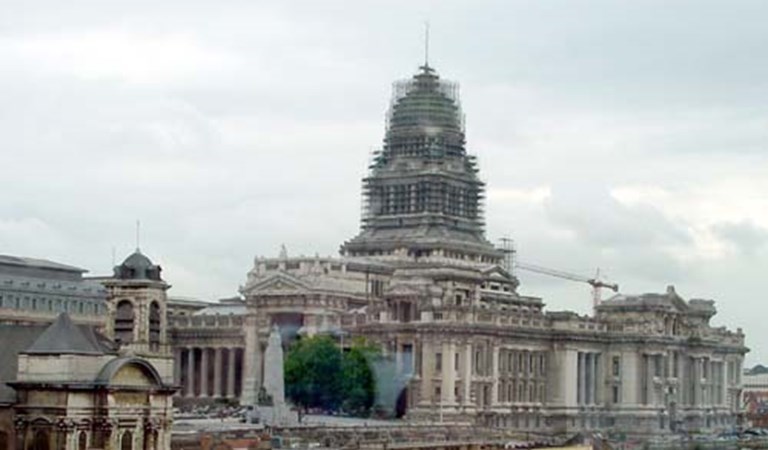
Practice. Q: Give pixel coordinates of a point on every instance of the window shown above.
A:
(154, 326)
(615, 394)
(456, 362)
(438, 362)
(616, 366)
(124, 321)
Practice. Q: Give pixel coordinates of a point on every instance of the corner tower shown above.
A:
(137, 304)
(423, 196)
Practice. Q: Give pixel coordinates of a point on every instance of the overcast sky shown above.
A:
(629, 136)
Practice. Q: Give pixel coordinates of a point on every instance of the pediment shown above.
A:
(279, 282)
(497, 273)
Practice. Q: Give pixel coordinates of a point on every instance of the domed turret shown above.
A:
(138, 267)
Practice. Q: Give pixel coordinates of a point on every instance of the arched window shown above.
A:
(41, 441)
(126, 443)
(154, 325)
(82, 441)
(124, 322)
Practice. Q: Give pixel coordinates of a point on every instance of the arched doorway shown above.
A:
(41, 440)
(82, 441)
(401, 406)
(126, 442)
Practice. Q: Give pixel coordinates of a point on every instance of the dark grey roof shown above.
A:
(138, 267)
(38, 263)
(64, 337)
(14, 339)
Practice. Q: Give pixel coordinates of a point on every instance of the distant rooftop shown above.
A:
(26, 262)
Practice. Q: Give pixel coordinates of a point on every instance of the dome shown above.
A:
(425, 119)
(138, 267)
(425, 102)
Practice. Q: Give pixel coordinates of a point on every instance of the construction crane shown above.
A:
(510, 263)
(596, 283)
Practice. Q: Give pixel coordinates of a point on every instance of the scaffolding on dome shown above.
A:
(424, 130)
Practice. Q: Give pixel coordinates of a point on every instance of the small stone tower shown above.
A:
(136, 303)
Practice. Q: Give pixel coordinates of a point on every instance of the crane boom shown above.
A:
(596, 283)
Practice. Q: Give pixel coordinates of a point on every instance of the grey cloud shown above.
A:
(748, 237)
(595, 217)
(232, 159)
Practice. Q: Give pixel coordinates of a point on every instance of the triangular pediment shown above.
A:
(276, 283)
(496, 272)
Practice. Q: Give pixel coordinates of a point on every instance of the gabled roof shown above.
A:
(64, 337)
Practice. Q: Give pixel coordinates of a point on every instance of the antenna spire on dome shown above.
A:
(138, 235)
(426, 43)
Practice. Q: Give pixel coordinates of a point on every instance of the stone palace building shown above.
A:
(422, 281)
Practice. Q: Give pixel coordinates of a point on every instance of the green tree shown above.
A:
(359, 382)
(313, 374)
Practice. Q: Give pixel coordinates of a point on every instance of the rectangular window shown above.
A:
(438, 362)
(616, 366)
(615, 392)
(456, 362)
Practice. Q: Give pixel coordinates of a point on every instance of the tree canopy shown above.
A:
(319, 375)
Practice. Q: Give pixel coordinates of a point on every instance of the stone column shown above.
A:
(231, 373)
(696, 382)
(204, 372)
(217, 372)
(649, 364)
(427, 372)
(587, 378)
(599, 384)
(251, 378)
(581, 379)
(467, 376)
(449, 374)
(177, 367)
(495, 375)
(191, 372)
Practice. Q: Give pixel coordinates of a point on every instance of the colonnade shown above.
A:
(588, 376)
(213, 372)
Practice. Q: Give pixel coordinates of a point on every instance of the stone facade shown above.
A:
(67, 386)
(422, 281)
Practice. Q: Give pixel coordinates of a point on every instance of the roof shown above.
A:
(64, 337)
(138, 266)
(15, 339)
(425, 101)
(23, 261)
